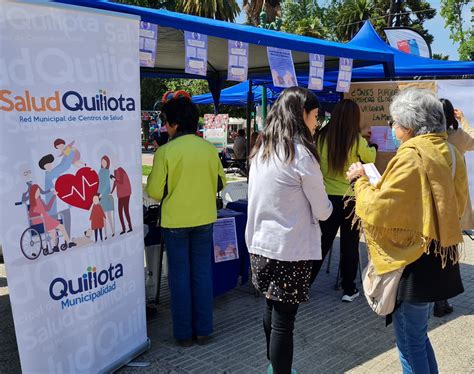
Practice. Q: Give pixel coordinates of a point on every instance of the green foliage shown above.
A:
(152, 89)
(304, 17)
(440, 56)
(253, 8)
(225, 10)
(451, 11)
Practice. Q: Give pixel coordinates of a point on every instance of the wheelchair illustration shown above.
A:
(35, 239)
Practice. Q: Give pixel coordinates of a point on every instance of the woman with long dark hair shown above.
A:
(286, 202)
(340, 144)
(463, 139)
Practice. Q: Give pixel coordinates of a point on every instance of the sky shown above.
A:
(441, 44)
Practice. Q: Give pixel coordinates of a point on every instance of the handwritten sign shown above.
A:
(374, 100)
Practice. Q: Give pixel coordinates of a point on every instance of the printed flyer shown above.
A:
(196, 53)
(71, 220)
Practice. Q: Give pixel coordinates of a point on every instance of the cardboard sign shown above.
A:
(374, 100)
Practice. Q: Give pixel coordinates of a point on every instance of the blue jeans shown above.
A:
(411, 330)
(190, 280)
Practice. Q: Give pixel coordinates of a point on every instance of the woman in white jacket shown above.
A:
(287, 200)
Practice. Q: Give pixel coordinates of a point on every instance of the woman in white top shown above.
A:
(287, 200)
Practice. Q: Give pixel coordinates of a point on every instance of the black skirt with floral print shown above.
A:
(285, 281)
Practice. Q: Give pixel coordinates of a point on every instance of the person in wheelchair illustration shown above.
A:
(42, 233)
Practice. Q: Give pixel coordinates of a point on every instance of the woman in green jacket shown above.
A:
(340, 144)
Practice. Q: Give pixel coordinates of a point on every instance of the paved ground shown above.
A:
(330, 336)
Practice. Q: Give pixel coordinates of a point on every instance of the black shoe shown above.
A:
(123, 232)
(71, 244)
(129, 230)
(55, 248)
(203, 340)
(184, 342)
(441, 308)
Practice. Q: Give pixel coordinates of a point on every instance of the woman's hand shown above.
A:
(458, 114)
(355, 171)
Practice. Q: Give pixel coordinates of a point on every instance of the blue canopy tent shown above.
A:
(237, 95)
(171, 49)
(406, 65)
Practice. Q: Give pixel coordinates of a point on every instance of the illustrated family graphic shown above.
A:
(49, 204)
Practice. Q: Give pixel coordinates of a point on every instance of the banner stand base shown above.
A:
(124, 360)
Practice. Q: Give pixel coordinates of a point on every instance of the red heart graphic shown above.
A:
(78, 190)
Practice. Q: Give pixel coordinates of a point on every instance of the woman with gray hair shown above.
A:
(411, 223)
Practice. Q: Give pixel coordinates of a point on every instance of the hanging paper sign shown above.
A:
(282, 68)
(316, 71)
(196, 53)
(238, 61)
(148, 39)
(345, 75)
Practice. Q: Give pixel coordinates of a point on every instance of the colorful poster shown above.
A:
(70, 159)
(316, 72)
(345, 75)
(148, 40)
(225, 240)
(238, 61)
(382, 136)
(196, 53)
(282, 68)
(215, 129)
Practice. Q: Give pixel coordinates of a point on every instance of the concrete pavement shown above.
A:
(330, 336)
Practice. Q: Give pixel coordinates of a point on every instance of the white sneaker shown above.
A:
(351, 297)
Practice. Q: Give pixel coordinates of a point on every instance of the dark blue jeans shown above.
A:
(190, 280)
(411, 330)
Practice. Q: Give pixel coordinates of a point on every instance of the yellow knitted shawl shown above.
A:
(414, 205)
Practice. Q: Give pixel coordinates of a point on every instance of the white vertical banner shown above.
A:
(461, 94)
(70, 186)
(316, 72)
(345, 75)
(196, 53)
(238, 60)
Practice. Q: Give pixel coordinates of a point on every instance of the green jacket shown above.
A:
(336, 183)
(189, 168)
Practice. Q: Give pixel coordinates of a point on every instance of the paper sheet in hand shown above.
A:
(372, 173)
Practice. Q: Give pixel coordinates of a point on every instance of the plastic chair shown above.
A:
(234, 191)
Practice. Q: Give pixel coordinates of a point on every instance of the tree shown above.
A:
(304, 17)
(225, 10)
(350, 16)
(440, 56)
(253, 8)
(451, 11)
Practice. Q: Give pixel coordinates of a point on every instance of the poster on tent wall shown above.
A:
(148, 40)
(282, 68)
(196, 53)
(238, 61)
(71, 222)
(316, 71)
(345, 75)
(215, 129)
(461, 94)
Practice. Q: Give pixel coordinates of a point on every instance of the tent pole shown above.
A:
(215, 85)
(264, 103)
(249, 123)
